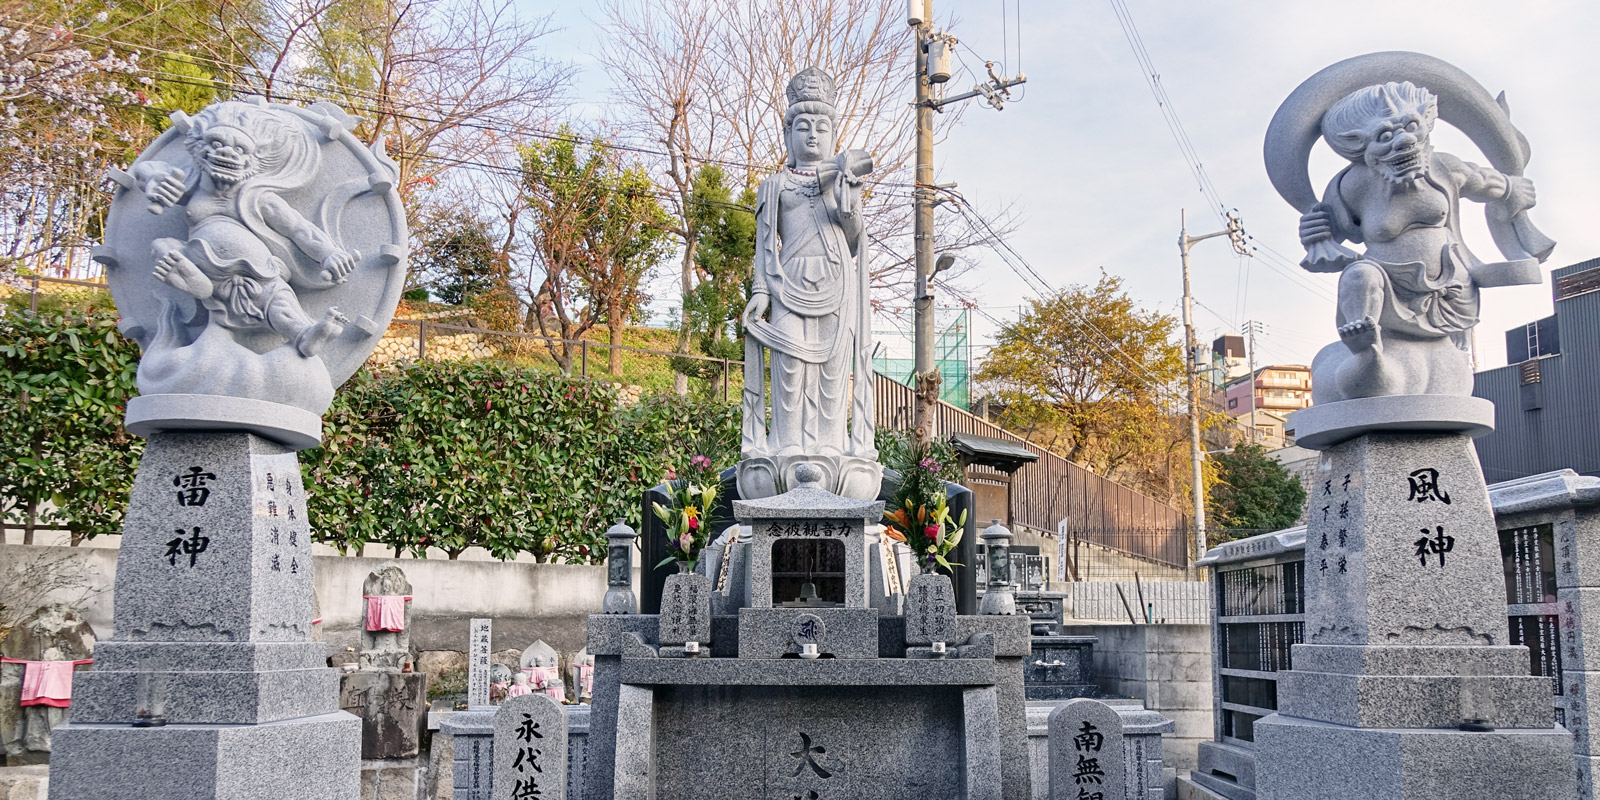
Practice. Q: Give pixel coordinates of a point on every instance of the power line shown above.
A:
(387, 107)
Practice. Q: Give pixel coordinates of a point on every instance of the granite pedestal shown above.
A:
(1406, 685)
(213, 627)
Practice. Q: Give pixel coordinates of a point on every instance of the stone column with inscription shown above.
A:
(255, 252)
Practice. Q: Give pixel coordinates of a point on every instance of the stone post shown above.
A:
(619, 598)
(997, 597)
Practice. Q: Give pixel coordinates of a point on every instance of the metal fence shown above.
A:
(1142, 602)
(1096, 510)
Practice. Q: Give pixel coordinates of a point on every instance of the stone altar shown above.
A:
(851, 716)
(1406, 685)
(255, 251)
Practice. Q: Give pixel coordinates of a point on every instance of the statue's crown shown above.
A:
(812, 84)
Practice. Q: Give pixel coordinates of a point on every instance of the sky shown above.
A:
(1085, 160)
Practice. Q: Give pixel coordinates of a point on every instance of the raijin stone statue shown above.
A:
(1407, 305)
(808, 314)
(255, 251)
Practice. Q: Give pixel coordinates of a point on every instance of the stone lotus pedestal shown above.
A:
(1406, 685)
(212, 632)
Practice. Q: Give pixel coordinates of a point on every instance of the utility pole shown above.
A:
(1235, 234)
(933, 50)
(1251, 328)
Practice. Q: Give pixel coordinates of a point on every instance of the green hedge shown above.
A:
(65, 378)
(445, 455)
(451, 455)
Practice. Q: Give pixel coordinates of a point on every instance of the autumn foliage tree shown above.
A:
(1090, 375)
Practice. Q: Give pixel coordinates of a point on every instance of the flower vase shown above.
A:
(685, 567)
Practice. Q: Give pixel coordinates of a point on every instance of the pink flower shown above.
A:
(701, 461)
(932, 531)
(685, 541)
(672, 474)
(694, 524)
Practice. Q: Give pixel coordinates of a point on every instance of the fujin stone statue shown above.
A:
(1404, 681)
(1408, 304)
(255, 250)
(808, 317)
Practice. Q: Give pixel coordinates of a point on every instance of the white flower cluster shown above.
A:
(61, 101)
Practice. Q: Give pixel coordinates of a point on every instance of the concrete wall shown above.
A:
(526, 601)
(1166, 666)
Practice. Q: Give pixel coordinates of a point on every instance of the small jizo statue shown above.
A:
(1408, 304)
(809, 313)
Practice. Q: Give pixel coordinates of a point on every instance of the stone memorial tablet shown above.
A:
(685, 609)
(1087, 752)
(930, 610)
(480, 635)
(530, 749)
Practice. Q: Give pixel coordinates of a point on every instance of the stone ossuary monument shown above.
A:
(255, 251)
(828, 691)
(1406, 685)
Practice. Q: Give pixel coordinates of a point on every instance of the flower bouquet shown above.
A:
(691, 497)
(919, 515)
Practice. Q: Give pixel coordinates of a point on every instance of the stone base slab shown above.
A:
(1415, 701)
(247, 697)
(312, 758)
(1326, 424)
(1190, 788)
(117, 655)
(1300, 759)
(1350, 659)
(1227, 770)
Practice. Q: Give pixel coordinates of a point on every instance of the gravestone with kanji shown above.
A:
(530, 749)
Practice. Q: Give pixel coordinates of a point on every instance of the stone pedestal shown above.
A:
(1406, 686)
(213, 628)
(393, 707)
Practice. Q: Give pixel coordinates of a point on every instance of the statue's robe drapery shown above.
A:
(811, 260)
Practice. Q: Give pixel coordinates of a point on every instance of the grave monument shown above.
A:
(1406, 685)
(255, 251)
(802, 682)
(390, 698)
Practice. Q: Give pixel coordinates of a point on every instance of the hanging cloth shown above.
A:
(47, 683)
(386, 612)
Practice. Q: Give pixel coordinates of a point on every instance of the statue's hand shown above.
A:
(1519, 196)
(756, 308)
(165, 190)
(1316, 225)
(338, 265)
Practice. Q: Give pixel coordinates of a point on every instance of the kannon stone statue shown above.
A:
(1408, 304)
(808, 319)
(255, 250)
